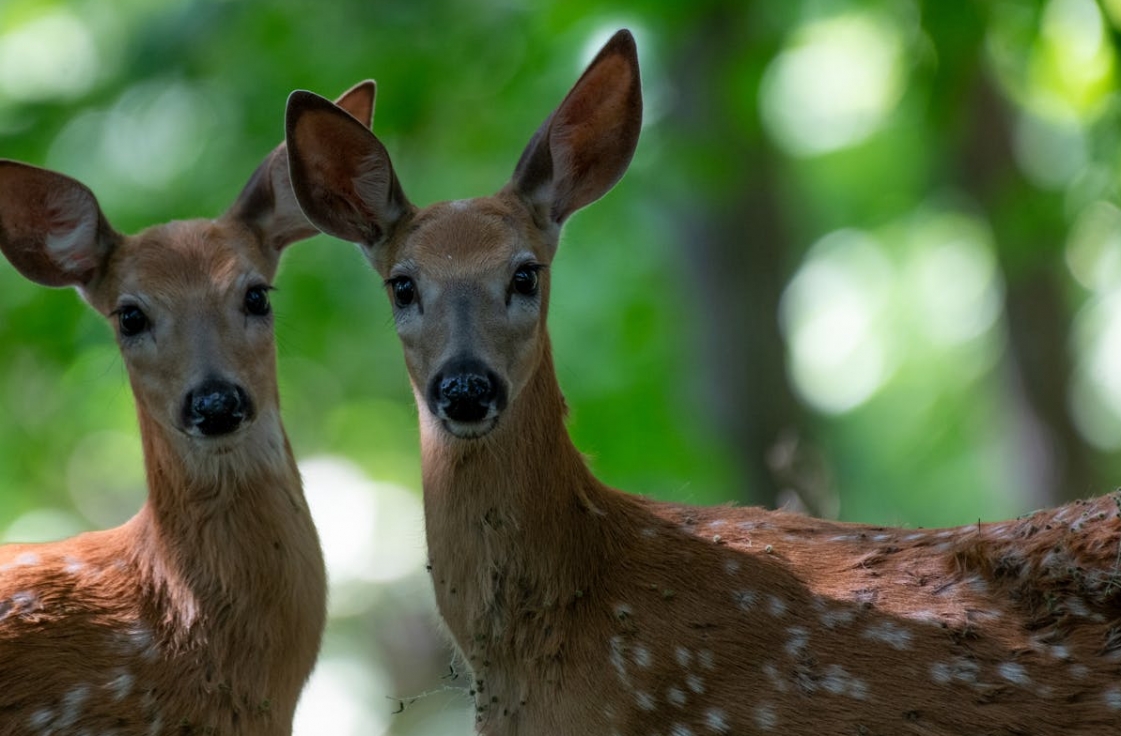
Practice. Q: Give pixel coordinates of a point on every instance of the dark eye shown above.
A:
(525, 280)
(404, 291)
(131, 321)
(257, 301)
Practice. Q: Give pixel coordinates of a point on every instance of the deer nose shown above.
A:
(465, 391)
(216, 407)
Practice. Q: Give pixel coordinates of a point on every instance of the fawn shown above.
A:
(580, 609)
(203, 613)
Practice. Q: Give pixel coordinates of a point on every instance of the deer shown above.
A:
(582, 609)
(203, 613)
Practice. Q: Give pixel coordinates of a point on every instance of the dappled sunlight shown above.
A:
(48, 57)
(857, 311)
(952, 277)
(1093, 247)
(105, 477)
(44, 524)
(339, 699)
(834, 85)
(1095, 394)
(1073, 66)
(372, 532)
(830, 314)
(152, 134)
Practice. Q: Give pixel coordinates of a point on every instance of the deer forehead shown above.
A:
(186, 261)
(469, 240)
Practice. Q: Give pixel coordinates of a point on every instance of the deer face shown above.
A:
(469, 279)
(468, 282)
(189, 300)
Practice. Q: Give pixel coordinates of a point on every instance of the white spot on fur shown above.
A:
(1079, 671)
(72, 703)
(676, 696)
(836, 617)
(1014, 673)
(618, 659)
(839, 681)
(960, 670)
(776, 606)
(650, 532)
(706, 659)
(1077, 607)
(121, 685)
(775, 677)
(73, 565)
(41, 718)
(694, 683)
(765, 717)
(641, 656)
(644, 700)
(891, 634)
(27, 559)
(798, 640)
(680, 729)
(745, 599)
(1112, 698)
(717, 720)
(25, 598)
(139, 638)
(683, 656)
(731, 566)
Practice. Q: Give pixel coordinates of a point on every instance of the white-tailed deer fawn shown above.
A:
(584, 610)
(202, 614)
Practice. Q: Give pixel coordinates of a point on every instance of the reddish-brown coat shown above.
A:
(580, 609)
(203, 613)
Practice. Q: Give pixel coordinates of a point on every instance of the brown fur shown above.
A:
(581, 609)
(202, 614)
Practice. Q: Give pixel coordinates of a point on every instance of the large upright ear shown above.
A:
(51, 227)
(585, 146)
(267, 204)
(341, 172)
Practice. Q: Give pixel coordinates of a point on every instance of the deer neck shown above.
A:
(515, 522)
(230, 556)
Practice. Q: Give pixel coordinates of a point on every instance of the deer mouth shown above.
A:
(469, 430)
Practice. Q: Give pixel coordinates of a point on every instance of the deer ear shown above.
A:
(267, 203)
(341, 173)
(51, 227)
(585, 146)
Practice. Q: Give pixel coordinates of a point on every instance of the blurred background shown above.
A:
(866, 262)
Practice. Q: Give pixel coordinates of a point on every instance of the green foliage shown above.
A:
(993, 132)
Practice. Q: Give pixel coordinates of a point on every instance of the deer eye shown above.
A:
(404, 291)
(131, 321)
(257, 301)
(525, 280)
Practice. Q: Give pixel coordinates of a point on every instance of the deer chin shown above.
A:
(470, 430)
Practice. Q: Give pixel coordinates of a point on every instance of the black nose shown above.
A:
(216, 407)
(465, 391)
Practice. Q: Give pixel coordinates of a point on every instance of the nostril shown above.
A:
(466, 387)
(465, 396)
(216, 407)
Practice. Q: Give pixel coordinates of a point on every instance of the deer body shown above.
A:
(580, 609)
(203, 613)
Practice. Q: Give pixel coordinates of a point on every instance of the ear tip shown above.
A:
(623, 41)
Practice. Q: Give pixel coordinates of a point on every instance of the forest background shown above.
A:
(866, 262)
